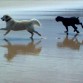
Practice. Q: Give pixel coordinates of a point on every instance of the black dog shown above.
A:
(69, 22)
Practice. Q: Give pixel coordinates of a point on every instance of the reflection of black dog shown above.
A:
(72, 43)
(69, 22)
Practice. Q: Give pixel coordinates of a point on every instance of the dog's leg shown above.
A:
(37, 33)
(3, 29)
(75, 28)
(7, 32)
(66, 29)
(81, 24)
(7, 42)
(31, 34)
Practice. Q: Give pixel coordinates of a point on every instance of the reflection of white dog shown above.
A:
(20, 25)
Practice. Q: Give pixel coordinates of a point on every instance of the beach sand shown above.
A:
(57, 58)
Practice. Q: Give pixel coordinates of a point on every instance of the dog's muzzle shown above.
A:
(56, 19)
(2, 19)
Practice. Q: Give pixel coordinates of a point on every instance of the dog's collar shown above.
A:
(8, 19)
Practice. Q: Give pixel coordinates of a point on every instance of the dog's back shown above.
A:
(69, 21)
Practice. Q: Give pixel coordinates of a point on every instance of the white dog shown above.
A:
(28, 25)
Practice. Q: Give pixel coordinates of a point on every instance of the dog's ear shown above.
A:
(6, 17)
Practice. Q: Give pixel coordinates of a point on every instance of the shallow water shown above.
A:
(56, 59)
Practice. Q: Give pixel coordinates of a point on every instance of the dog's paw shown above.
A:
(77, 31)
(43, 38)
(66, 31)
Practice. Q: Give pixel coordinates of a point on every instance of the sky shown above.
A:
(40, 4)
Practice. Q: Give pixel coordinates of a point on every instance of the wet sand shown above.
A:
(56, 59)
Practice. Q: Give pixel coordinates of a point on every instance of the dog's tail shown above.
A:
(35, 22)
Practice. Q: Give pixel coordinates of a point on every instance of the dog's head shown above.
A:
(6, 18)
(58, 18)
